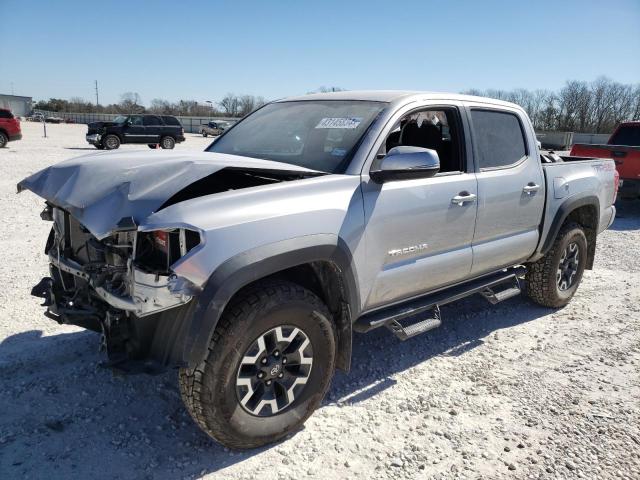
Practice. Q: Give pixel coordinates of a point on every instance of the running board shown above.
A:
(418, 307)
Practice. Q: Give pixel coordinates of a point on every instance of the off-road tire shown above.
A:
(3, 139)
(111, 142)
(167, 143)
(542, 284)
(209, 390)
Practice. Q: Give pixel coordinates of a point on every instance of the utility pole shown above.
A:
(97, 102)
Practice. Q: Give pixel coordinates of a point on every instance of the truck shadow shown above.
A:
(55, 395)
(627, 215)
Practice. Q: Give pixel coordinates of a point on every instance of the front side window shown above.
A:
(436, 129)
(498, 137)
(316, 134)
(5, 114)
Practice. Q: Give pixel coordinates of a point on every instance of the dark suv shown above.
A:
(154, 130)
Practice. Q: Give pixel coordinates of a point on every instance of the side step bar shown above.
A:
(426, 308)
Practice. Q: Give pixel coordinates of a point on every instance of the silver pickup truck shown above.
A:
(249, 266)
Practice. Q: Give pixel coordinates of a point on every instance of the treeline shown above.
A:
(590, 107)
(130, 102)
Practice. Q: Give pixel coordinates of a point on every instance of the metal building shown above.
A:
(20, 106)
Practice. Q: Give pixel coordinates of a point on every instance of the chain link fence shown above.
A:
(190, 124)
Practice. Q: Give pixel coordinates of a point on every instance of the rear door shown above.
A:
(511, 189)
(153, 127)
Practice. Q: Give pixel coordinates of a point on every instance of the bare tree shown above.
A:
(130, 102)
(231, 104)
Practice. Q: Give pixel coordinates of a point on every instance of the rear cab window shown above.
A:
(627, 135)
(499, 138)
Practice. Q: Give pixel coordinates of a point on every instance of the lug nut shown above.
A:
(260, 374)
(264, 361)
(284, 360)
(276, 353)
(268, 382)
(281, 375)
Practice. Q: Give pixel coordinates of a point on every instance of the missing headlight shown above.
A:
(156, 251)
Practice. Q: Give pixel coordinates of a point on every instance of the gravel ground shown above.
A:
(506, 391)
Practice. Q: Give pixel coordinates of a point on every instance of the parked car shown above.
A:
(624, 148)
(213, 128)
(9, 127)
(248, 266)
(54, 119)
(154, 130)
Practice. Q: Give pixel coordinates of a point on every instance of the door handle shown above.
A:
(463, 197)
(531, 188)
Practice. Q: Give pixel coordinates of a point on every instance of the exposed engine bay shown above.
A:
(103, 284)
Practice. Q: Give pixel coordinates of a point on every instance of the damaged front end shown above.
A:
(118, 285)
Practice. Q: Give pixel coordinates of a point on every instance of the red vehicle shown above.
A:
(9, 127)
(624, 148)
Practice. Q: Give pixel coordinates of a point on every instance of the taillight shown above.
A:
(616, 184)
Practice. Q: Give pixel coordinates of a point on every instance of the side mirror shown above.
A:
(406, 163)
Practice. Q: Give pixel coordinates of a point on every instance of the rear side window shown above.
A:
(152, 121)
(628, 135)
(170, 120)
(5, 114)
(498, 137)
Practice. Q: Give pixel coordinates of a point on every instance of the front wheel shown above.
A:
(553, 280)
(167, 142)
(3, 139)
(111, 142)
(204, 134)
(268, 366)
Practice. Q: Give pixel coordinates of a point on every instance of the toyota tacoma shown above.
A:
(249, 266)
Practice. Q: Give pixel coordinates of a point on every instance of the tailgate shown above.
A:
(627, 158)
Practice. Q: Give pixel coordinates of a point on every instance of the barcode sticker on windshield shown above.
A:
(340, 122)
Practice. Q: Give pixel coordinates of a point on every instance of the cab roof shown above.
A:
(393, 96)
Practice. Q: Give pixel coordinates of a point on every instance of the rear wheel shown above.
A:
(268, 366)
(111, 142)
(553, 280)
(3, 139)
(204, 134)
(167, 142)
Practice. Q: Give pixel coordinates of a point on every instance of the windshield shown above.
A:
(320, 135)
(120, 119)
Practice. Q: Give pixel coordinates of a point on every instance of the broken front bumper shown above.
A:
(94, 139)
(151, 293)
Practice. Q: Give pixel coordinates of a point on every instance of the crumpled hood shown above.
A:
(102, 188)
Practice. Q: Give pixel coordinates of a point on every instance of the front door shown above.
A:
(419, 232)
(134, 131)
(510, 190)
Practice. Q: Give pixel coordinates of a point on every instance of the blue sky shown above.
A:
(201, 50)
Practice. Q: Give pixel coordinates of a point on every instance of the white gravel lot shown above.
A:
(506, 391)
